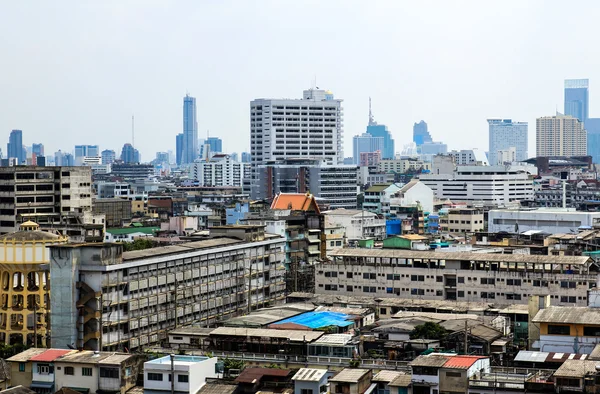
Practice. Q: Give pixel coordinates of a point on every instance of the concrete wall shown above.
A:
(552, 220)
(77, 379)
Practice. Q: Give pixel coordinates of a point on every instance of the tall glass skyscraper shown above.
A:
(179, 148)
(379, 130)
(577, 98)
(215, 144)
(421, 133)
(365, 143)
(190, 131)
(14, 148)
(505, 134)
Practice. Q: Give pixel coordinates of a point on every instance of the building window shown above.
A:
(306, 391)
(453, 374)
(21, 367)
(114, 373)
(591, 331)
(86, 371)
(45, 369)
(183, 378)
(155, 376)
(69, 371)
(554, 329)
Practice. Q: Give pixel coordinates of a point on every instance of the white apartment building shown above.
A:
(310, 127)
(508, 155)
(502, 279)
(504, 134)
(467, 157)
(401, 166)
(220, 170)
(549, 220)
(357, 224)
(412, 194)
(560, 136)
(490, 185)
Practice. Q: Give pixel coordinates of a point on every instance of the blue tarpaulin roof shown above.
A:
(319, 319)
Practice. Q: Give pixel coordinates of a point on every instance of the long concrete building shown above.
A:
(104, 299)
(462, 276)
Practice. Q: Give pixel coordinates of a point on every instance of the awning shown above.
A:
(82, 390)
(42, 385)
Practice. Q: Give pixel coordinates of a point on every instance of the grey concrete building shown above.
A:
(462, 276)
(104, 299)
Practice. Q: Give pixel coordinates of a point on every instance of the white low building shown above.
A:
(358, 224)
(220, 170)
(490, 185)
(412, 194)
(552, 220)
(189, 373)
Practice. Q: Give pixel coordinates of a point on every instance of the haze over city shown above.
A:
(74, 72)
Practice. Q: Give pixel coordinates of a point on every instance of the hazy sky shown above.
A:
(73, 72)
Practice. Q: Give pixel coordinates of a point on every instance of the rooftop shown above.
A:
(319, 319)
(386, 376)
(348, 212)
(18, 390)
(309, 374)
(24, 236)
(459, 256)
(430, 360)
(292, 335)
(548, 357)
(435, 315)
(571, 314)
(350, 375)
(180, 248)
(182, 360)
(295, 202)
(576, 368)
(255, 375)
(218, 388)
(462, 362)
(26, 355)
(266, 316)
(334, 339)
(133, 230)
(402, 380)
(50, 355)
(378, 188)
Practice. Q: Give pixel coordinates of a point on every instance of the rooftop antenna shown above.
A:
(371, 119)
(207, 145)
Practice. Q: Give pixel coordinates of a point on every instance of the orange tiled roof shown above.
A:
(295, 202)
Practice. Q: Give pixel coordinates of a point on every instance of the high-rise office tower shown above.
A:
(179, 148)
(108, 156)
(379, 130)
(190, 130)
(421, 133)
(14, 148)
(215, 144)
(365, 143)
(577, 98)
(246, 157)
(310, 127)
(129, 155)
(560, 136)
(505, 134)
(37, 149)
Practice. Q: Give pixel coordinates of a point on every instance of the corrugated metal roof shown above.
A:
(334, 339)
(455, 256)
(350, 375)
(217, 388)
(570, 314)
(402, 380)
(576, 368)
(595, 354)
(181, 248)
(309, 374)
(26, 355)
(531, 357)
(430, 360)
(50, 355)
(436, 316)
(461, 362)
(386, 376)
(292, 335)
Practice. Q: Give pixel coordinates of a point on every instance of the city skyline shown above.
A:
(442, 69)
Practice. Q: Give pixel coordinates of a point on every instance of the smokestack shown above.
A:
(564, 194)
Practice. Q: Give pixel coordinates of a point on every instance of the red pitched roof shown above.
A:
(295, 202)
(50, 355)
(461, 362)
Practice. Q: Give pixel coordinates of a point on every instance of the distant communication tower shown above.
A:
(133, 131)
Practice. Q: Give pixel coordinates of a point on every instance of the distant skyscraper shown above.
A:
(37, 149)
(87, 150)
(421, 133)
(505, 134)
(108, 156)
(577, 98)
(179, 148)
(560, 136)
(276, 132)
(215, 144)
(162, 157)
(190, 130)
(365, 143)
(129, 155)
(63, 159)
(14, 148)
(246, 157)
(379, 130)
(235, 157)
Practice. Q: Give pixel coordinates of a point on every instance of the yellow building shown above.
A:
(24, 284)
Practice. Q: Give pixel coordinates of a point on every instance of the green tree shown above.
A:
(428, 330)
(138, 244)
(230, 363)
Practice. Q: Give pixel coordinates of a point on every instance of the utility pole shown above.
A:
(175, 296)
(466, 337)
(172, 373)
(35, 306)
